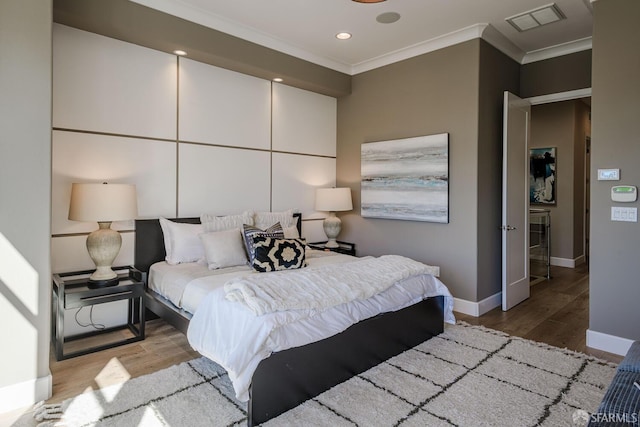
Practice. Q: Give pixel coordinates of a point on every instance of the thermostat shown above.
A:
(624, 193)
(608, 174)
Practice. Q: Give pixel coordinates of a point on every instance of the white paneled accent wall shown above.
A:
(222, 107)
(222, 181)
(295, 178)
(303, 121)
(106, 85)
(87, 157)
(193, 138)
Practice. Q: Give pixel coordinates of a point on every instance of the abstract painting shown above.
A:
(406, 179)
(542, 175)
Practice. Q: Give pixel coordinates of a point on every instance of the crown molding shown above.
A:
(450, 39)
(486, 32)
(496, 39)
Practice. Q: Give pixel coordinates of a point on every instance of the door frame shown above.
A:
(568, 96)
(557, 97)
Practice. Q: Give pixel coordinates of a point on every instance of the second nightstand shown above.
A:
(71, 290)
(343, 247)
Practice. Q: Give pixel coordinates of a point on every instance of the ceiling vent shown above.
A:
(536, 18)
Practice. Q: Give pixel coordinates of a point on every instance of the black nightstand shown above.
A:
(71, 290)
(343, 247)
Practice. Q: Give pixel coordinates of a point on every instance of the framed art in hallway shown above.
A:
(406, 179)
(542, 176)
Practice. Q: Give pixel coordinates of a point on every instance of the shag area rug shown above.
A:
(467, 376)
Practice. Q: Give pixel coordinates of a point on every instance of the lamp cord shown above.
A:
(96, 326)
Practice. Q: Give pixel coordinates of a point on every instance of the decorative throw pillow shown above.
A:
(273, 254)
(250, 233)
(181, 241)
(224, 249)
(213, 222)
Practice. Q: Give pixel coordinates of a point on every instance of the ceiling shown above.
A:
(306, 29)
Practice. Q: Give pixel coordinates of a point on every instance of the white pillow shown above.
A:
(213, 222)
(224, 248)
(265, 220)
(181, 241)
(292, 232)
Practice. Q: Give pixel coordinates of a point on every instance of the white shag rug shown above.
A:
(467, 376)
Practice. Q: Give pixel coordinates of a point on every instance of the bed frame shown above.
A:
(290, 377)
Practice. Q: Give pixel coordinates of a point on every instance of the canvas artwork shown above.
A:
(406, 179)
(542, 175)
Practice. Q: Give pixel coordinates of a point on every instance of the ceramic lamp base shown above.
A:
(103, 246)
(332, 226)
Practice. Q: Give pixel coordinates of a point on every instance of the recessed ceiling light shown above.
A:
(536, 18)
(369, 1)
(343, 36)
(180, 52)
(388, 17)
(277, 79)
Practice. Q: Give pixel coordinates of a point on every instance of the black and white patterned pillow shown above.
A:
(249, 232)
(278, 254)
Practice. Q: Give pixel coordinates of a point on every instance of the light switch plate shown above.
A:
(624, 214)
(608, 174)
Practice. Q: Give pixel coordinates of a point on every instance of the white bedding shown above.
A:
(234, 337)
(321, 287)
(179, 284)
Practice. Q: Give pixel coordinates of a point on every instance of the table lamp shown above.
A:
(103, 203)
(333, 200)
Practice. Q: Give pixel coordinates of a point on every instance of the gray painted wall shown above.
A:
(429, 94)
(456, 90)
(25, 181)
(497, 74)
(560, 74)
(615, 246)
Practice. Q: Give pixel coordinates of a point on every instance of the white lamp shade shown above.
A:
(333, 199)
(103, 202)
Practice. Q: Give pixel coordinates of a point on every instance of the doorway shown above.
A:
(563, 128)
(569, 210)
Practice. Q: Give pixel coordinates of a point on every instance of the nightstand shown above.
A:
(343, 247)
(72, 291)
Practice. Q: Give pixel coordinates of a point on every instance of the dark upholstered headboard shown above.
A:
(149, 242)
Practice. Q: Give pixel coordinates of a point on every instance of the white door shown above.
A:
(515, 201)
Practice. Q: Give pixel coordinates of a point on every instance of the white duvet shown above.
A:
(321, 287)
(230, 334)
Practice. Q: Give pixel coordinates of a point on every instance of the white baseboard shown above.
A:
(25, 394)
(568, 262)
(477, 309)
(608, 343)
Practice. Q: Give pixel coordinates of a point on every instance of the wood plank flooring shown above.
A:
(163, 346)
(557, 313)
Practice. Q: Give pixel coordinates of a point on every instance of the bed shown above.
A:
(291, 376)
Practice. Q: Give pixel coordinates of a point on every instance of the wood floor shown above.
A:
(557, 313)
(163, 346)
